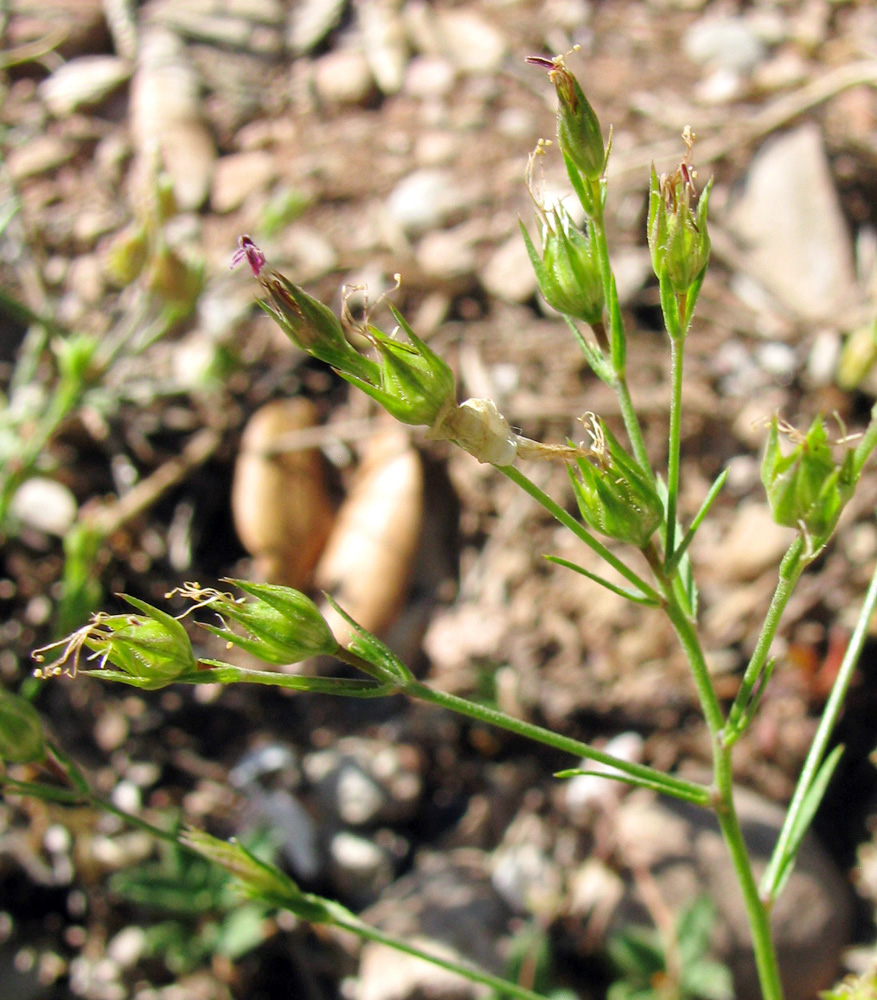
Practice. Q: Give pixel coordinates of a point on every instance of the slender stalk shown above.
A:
(73, 797)
(791, 567)
(617, 335)
(501, 986)
(568, 521)
(823, 734)
(676, 355)
(631, 425)
(677, 787)
(756, 911)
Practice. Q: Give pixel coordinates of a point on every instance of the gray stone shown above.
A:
(681, 846)
(789, 220)
(447, 906)
(724, 43)
(359, 868)
(363, 781)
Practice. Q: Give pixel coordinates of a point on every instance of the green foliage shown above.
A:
(645, 972)
(21, 730)
(203, 914)
(531, 962)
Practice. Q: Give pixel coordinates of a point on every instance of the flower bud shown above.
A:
(568, 272)
(21, 730)
(149, 650)
(614, 495)
(807, 488)
(578, 129)
(258, 879)
(313, 327)
(280, 624)
(677, 233)
(414, 385)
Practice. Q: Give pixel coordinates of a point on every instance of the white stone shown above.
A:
(83, 82)
(45, 505)
(343, 77)
(425, 200)
(509, 274)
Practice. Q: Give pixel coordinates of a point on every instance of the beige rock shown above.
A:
(282, 512)
(166, 119)
(368, 560)
(239, 175)
(83, 82)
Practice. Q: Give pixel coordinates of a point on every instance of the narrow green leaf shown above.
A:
(631, 595)
(597, 361)
(781, 867)
(714, 491)
(655, 785)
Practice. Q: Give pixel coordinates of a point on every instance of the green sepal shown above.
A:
(614, 495)
(414, 384)
(313, 326)
(151, 650)
(807, 488)
(389, 668)
(282, 624)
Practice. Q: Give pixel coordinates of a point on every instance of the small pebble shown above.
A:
(508, 274)
(238, 175)
(45, 505)
(343, 76)
(82, 83)
(723, 43)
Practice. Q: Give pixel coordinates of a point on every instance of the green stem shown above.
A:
(756, 911)
(791, 567)
(568, 521)
(676, 355)
(677, 787)
(823, 734)
(617, 335)
(632, 425)
(71, 797)
(706, 693)
(502, 986)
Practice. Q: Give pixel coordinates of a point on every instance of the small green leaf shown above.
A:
(21, 730)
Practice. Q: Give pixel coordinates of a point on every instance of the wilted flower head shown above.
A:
(677, 232)
(149, 650)
(248, 251)
(614, 495)
(578, 128)
(807, 488)
(568, 272)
